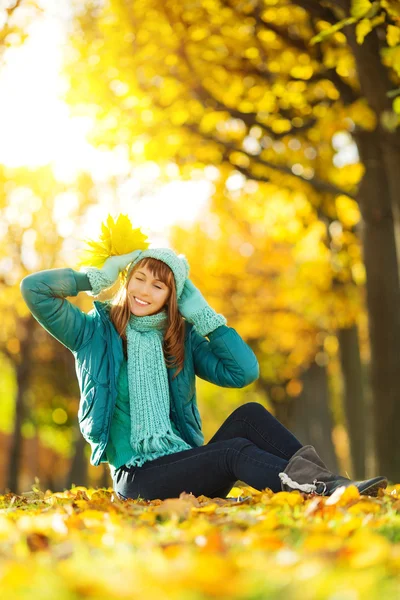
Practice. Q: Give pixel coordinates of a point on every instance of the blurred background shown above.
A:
(258, 137)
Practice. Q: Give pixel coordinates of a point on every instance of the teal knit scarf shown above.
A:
(151, 432)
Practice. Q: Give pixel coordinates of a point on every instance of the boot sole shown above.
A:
(373, 488)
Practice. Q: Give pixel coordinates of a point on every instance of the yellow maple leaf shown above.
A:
(116, 238)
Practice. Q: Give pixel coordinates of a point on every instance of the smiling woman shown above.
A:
(138, 411)
(147, 294)
(150, 290)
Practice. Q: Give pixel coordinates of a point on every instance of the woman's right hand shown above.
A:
(115, 264)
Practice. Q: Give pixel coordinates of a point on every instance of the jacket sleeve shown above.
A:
(45, 294)
(225, 360)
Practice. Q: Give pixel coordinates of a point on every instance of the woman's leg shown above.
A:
(211, 470)
(251, 446)
(255, 423)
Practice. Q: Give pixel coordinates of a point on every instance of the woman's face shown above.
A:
(146, 295)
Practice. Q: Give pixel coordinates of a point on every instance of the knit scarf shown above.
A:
(151, 432)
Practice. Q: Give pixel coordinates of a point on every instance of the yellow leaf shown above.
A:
(235, 492)
(392, 7)
(345, 528)
(209, 508)
(362, 29)
(362, 115)
(359, 8)
(389, 120)
(364, 507)
(97, 247)
(391, 58)
(269, 521)
(105, 234)
(343, 495)
(288, 498)
(396, 105)
(347, 211)
(92, 260)
(116, 238)
(393, 35)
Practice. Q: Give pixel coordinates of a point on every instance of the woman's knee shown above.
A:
(253, 409)
(237, 443)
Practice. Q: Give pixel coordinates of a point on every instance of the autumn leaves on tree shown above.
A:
(299, 98)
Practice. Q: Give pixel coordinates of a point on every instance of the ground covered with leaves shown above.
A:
(86, 543)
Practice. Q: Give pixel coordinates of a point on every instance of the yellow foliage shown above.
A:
(359, 8)
(99, 546)
(196, 546)
(392, 7)
(362, 29)
(322, 543)
(363, 115)
(347, 211)
(391, 58)
(393, 35)
(116, 238)
(343, 496)
(287, 498)
(367, 549)
(364, 507)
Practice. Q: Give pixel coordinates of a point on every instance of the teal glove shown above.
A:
(191, 300)
(103, 278)
(194, 308)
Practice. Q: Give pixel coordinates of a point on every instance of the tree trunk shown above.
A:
(383, 298)
(26, 327)
(377, 195)
(354, 401)
(308, 417)
(312, 416)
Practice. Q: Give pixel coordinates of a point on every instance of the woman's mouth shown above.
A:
(140, 302)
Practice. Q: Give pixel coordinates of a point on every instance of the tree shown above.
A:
(30, 241)
(240, 84)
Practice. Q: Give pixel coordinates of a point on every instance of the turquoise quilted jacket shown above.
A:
(223, 359)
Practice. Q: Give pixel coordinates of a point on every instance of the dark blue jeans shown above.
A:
(251, 446)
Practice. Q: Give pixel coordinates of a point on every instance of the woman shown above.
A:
(136, 361)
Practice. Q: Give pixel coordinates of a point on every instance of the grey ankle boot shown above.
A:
(307, 473)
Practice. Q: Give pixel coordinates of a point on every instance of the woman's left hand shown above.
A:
(191, 301)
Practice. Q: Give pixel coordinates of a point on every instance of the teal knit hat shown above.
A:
(178, 263)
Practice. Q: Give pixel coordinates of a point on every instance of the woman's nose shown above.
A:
(146, 292)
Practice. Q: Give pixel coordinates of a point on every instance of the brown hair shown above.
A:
(173, 346)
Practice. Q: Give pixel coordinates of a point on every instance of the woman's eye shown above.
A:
(157, 286)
